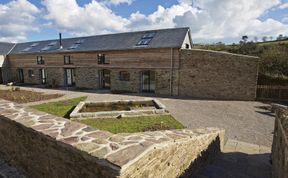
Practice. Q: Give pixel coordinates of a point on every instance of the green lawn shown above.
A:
(60, 108)
(134, 124)
(123, 125)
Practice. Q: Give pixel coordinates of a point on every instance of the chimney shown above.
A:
(60, 41)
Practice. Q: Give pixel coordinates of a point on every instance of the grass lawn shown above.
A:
(123, 125)
(134, 124)
(59, 108)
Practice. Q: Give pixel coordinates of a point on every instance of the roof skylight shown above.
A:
(74, 46)
(26, 49)
(46, 48)
(148, 35)
(34, 44)
(53, 43)
(146, 39)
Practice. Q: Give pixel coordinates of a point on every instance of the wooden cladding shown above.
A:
(142, 58)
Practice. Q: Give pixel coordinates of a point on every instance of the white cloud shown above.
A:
(117, 2)
(225, 19)
(93, 18)
(16, 19)
(209, 20)
(284, 6)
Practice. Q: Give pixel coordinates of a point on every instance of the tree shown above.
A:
(245, 38)
(280, 37)
(264, 38)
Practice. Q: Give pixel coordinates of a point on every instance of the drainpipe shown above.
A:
(171, 74)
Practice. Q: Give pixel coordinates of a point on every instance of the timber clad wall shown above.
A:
(219, 75)
(196, 73)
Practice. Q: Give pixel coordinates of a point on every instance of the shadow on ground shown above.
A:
(238, 165)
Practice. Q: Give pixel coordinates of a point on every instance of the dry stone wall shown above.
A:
(280, 145)
(218, 75)
(42, 145)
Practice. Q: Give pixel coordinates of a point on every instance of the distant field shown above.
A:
(273, 42)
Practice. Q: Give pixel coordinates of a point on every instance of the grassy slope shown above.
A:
(133, 124)
(59, 108)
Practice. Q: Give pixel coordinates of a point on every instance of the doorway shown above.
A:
(148, 81)
(69, 77)
(20, 74)
(42, 75)
(105, 79)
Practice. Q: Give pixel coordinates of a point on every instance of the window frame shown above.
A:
(30, 73)
(69, 59)
(40, 60)
(124, 76)
(101, 58)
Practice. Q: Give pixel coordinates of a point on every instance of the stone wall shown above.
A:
(133, 85)
(217, 75)
(87, 78)
(42, 145)
(280, 145)
(55, 76)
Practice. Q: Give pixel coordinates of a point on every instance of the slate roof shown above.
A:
(5, 48)
(164, 38)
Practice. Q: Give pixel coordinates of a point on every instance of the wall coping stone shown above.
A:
(221, 52)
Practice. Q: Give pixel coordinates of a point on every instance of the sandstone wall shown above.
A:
(217, 75)
(280, 145)
(87, 77)
(43, 145)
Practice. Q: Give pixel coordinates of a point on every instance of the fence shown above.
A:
(272, 92)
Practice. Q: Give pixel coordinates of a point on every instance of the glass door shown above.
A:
(148, 81)
(20, 75)
(105, 79)
(43, 78)
(69, 77)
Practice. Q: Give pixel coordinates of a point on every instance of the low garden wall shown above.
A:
(42, 145)
(280, 144)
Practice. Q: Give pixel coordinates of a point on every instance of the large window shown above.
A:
(67, 60)
(102, 59)
(40, 60)
(124, 76)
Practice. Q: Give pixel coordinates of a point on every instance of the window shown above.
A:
(26, 49)
(67, 60)
(53, 43)
(102, 59)
(187, 46)
(124, 76)
(143, 42)
(34, 44)
(46, 48)
(146, 39)
(30, 73)
(74, 46)
(40, 60)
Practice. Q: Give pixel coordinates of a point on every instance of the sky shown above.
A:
(210, 21)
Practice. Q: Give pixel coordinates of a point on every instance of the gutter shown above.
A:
(171, 73)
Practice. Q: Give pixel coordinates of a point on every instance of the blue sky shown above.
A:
(210, 20)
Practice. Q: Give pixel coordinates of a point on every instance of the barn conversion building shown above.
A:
(158, 61)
